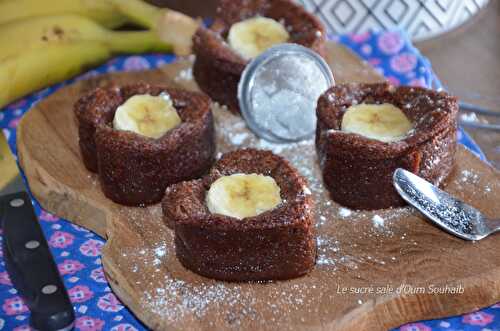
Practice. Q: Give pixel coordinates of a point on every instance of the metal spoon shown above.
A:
(452, 215)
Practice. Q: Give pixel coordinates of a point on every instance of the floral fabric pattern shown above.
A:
(77, 250)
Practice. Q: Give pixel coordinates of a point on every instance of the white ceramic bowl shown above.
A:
(422, 19)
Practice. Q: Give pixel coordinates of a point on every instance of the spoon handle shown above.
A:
(494, 224)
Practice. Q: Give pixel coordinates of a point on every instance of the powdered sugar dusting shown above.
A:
(185, 74)
(327, 248)
(471, 178)
(349, 242)
(378, 221)
(344, 212)
(468, 176)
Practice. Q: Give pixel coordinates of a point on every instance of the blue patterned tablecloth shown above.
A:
(77, 251)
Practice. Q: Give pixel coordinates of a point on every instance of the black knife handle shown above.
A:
(31, 266)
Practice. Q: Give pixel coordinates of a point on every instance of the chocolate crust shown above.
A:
(218, 68)
(357, 170)
(277, 244)
(134, 169)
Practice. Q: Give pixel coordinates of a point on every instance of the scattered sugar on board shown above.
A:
(175, 297)
(161, 250)
(469, 177)
(378, 221)
(327, 249)
(239, 138)
(184, 74)
(344, 212)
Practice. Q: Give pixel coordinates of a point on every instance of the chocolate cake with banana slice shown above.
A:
(241, 31)
(141, 138)
(250, 219)
(366, 131)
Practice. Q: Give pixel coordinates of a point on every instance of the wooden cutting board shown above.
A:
(376, 270)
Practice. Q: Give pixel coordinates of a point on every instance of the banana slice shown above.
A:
(253, 36)
(243, 195)
(147, 115)
(384, 122)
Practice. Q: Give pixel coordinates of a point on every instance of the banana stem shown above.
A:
(136, 42)
(172, 27)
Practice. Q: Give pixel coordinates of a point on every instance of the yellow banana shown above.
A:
(48, 30)
(253, 36)
(8, 172)
(45, 42)
(172, 27)
(32, 71)
(384, 122)
(101, 11)
(243, 195)
(147, 115)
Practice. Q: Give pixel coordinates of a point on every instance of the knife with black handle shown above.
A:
(28, 260)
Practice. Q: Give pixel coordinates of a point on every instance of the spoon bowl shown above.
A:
(449, 213)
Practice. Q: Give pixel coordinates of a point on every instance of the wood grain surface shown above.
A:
(357, 252)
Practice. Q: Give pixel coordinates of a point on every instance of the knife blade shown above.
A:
(28, 260)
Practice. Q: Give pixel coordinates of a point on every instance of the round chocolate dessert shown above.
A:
(142, 138)
(250, 219)
(241, 30)
(366, 131)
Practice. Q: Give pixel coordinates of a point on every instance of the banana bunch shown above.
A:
(45, 42)
(34, 70)
(101, 11)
